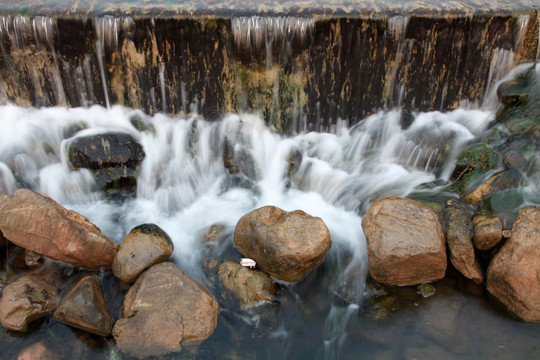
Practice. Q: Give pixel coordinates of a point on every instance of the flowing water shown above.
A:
(184, 188)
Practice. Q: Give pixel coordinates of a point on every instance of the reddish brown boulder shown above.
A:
(27, 299)
(488, 231)
(513, 275)
(248, 286)
(144, 246)
(405, 242)
(165, 306)
(459, 238)
(84, 307)
(286, 245)
(36, 222)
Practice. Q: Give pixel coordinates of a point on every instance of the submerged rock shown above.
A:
(513, 275)
(144, 246)
(84, 307)
(503, 180)
(459, 237)
(248, 286)
(405, 242)
(36, 222)
(164, 307)
(286, 245)
(36, 351)
(25, 300)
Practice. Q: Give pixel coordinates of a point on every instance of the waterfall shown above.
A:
(299, 73)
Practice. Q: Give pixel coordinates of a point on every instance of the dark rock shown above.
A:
(163, 307)
(513, 275)
(405, 242)
(84, 307)
(27, 299)
(31, 258)
(406, 119)
(56, 232)
(103, 151)
(248, 286)
(238, 160)
(286, 245)
(144, 246)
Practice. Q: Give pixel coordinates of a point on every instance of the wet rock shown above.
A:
(513, 275)
(472, 163)
(286, 245)
(512, 93)
(31, 258)
(114, 159)
(529, 50)
(406, 119)
(103, 151)
(215, 235)
(164, 307)
(84, 307)
(36, 222)
(248, 286)
(459, 236)
(426, 290)
(36, 351)
(506, 179)
(514, 159)
(238, 160)
(405, 242)
(149, 333)
(488, 231)
(27, 299)
(143, 247)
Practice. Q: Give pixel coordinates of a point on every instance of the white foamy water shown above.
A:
(184, 187)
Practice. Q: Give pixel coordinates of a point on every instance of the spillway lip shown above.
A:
(230, 8)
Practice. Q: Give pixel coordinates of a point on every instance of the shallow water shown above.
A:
(184, 188)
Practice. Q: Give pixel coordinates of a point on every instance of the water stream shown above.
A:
(184, 187)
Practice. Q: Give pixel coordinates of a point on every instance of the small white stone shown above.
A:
(250, 263)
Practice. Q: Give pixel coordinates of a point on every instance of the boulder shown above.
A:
(104, 151)
(27, 299)
(36, 222)
(507, 179)
(36, 351)
(286, 245)
(164, 307)
(488, 231)
(405, 242)
(513, 275)
(84, 307)
(144, 246)
(459, 236)
(248, 286)
(114, 158)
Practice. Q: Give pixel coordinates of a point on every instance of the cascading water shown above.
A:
(184, 187)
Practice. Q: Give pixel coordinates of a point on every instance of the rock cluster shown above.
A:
(492, 239)
(164, 309)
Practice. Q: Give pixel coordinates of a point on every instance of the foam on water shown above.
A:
(183, 185)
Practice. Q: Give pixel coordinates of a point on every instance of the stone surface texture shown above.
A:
(84, 307)
(405, 242)
(144, 246)
(248, 286)
(488, 231)
(459, 236)
(513, 275)
(27, 299)
(286, 245)
(164, 307)
(36, 222)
